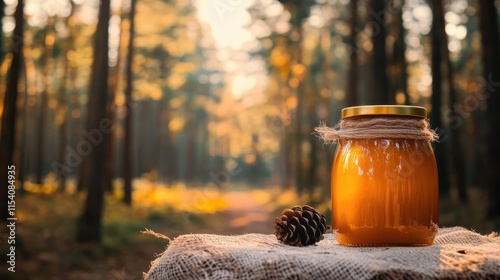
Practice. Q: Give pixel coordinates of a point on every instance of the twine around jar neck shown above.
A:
(377, 128)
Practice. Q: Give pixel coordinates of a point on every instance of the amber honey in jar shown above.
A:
(384, 177)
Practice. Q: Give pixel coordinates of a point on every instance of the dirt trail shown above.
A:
(246, 214)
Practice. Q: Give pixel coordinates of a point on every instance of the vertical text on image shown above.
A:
(11, 219)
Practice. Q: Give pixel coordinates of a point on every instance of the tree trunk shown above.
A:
(352, 89)
(171, 152)
(437, 80)
(109, 140)
(285, 143)
(203, 138)
(89, 226)
(85, 171)
(109, 147)
(74, 124)
(127, 125)
(488, 24)
(190, 149)
(63, 127)
(2, 9)
(45, 65)
(22, 146)
(313, 159)
(286, 149)
(399, 58)
(326, 42)
(298, 118)
(73, 99)
(29, 115)
(167, 137)
(457, 151)
(63, 100)
(299, 10)
(9, 109)
(379, 55)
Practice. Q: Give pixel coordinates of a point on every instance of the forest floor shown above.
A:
(46, 247)
(47, 224)
(244, 213)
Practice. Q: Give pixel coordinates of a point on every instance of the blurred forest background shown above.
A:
(197, 116)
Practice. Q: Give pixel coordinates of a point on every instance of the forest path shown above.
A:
(247, 214)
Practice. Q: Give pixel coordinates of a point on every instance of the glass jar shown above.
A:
(384, 189)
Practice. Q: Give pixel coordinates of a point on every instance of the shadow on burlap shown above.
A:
(456, 253)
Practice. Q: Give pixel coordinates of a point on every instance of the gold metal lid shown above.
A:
(400, 110)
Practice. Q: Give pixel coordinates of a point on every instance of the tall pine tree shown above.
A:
(89, 224)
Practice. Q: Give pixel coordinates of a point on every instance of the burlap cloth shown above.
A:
(456, 253)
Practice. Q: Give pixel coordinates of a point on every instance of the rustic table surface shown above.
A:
(456, 253)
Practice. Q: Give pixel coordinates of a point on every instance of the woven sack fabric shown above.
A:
(456, 253)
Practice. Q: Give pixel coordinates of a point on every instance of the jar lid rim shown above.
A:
(401, 110)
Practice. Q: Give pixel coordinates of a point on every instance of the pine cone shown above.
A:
(300, 226)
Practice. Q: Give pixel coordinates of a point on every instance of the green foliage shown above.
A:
(119, 234)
